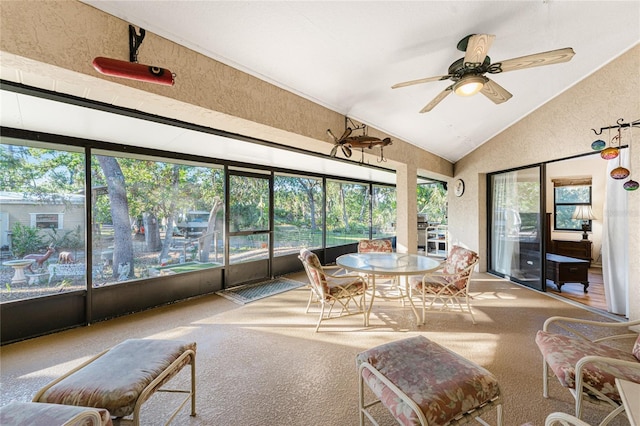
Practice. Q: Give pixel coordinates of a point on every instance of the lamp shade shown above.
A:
(469, 85)
(583, 213)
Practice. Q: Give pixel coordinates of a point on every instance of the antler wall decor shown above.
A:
(347, 141)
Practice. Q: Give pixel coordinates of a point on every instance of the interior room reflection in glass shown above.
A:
(515, 224)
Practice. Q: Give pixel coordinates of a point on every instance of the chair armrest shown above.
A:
(563, 419)
(437, 274)
(562, 322)
(323, 270)
(603, 362)
(338, 270)
(595, 359)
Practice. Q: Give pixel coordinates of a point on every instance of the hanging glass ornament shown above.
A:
(631, 185)
(619, 173)
(609, 153)
(598, 145)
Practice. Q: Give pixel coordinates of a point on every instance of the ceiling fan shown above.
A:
(468, 73)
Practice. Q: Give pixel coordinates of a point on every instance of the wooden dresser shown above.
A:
(580, 249)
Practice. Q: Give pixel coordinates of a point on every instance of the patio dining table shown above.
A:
(388, 264)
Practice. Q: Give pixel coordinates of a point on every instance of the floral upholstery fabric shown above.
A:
(115, 380)
(337, 288)
(318, 279)
(38, 414)
(458, 260)
(375, 246)
(562, 353)
(454, 270)
(442, 383)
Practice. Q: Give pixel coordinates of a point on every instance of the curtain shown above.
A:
(505, 242)
(615, 244)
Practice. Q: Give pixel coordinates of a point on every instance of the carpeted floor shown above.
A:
(251, 292)
(262, 364)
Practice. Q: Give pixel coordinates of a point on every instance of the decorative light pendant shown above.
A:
(619, 173)
(609, 153)
(631, 185)
(598, 145)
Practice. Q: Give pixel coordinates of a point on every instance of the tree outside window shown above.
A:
(566, 198)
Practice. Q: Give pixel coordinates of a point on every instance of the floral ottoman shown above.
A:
(423, 383)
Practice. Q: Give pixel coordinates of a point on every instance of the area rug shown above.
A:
(251, 292)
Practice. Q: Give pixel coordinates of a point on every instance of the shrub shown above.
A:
(25, 240)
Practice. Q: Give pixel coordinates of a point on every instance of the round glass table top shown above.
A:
(387, 263)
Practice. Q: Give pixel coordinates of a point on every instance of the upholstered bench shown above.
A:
(423, 383)
(32, 414)
(122, 378)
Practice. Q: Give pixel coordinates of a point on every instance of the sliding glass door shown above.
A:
(516, 226)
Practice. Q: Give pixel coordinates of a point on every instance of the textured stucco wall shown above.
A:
(559, 129)
(52, 44)
(69, 34)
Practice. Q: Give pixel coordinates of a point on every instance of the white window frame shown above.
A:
(34, 222)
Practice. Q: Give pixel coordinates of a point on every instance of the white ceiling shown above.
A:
(346, 55)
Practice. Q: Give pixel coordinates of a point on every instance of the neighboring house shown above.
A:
(61, 212)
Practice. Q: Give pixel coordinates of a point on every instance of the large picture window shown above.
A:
(383, 211)
(152, 217)
(156, 216)
(432, 202)
(347, 212)
(298, 213)
(40, 185)
(568, 194)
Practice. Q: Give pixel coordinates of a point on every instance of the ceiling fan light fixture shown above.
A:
(470, 85)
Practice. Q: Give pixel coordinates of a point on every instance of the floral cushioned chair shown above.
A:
(377, 246)
(589, 366)
(450, 283)
(329, 289)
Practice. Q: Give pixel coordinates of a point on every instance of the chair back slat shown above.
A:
(313, 267)
(375, 246)
(458, 263)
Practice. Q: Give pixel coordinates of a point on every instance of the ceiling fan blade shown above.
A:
(420, 81)
(477, 48)
(536, 60)
(446, 92)
(332, 136)
(334, 151)
(346, 133)
(496, 93)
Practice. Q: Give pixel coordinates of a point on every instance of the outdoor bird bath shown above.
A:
(18, 266)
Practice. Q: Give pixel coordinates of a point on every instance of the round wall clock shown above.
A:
(458, 188)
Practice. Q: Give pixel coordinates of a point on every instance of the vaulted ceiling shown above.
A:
(346, 55)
